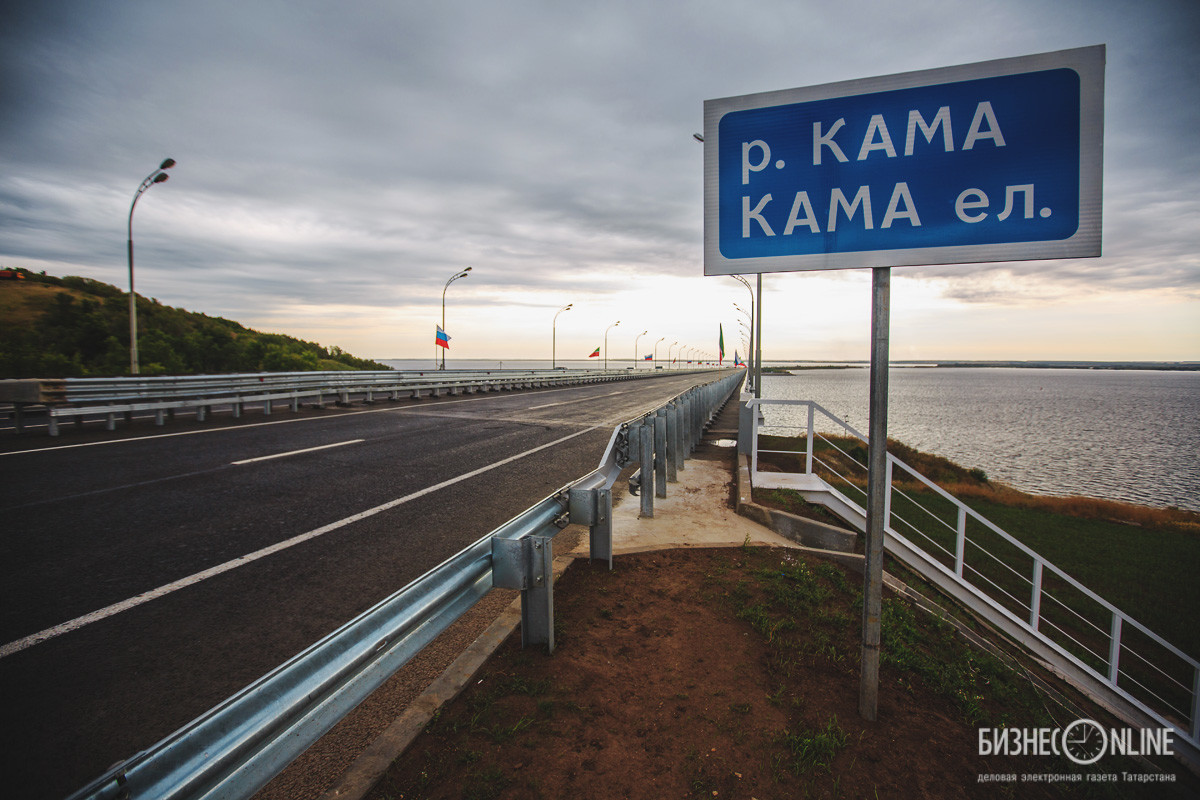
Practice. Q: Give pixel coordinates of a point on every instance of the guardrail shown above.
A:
(77, 398)
(237, 747)
(1113, 657)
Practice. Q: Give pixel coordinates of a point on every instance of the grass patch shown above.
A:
(811, 750)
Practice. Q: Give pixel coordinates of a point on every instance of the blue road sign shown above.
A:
(995, 161)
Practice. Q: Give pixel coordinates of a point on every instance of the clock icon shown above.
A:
(1084, 741)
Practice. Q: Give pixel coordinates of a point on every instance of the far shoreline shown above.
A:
(1151, 366)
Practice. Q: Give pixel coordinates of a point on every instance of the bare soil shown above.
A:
(732, 673)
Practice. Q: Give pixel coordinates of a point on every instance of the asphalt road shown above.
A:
(149, 573)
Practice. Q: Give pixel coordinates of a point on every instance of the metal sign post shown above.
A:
(868, 687)
(996, 161)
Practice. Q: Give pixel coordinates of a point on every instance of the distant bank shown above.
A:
(1170, 366)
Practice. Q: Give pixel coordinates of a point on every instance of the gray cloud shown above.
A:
(361, 153)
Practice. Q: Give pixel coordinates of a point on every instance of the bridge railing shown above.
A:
(107, 398)
(234, 749)
(952, 545)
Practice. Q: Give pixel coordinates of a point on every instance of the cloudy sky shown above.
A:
(338, 162)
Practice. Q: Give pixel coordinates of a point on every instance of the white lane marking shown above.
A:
(578, 400)
(116, 608)
(295, 452)
(264, 424)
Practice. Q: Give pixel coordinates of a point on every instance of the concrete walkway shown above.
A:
(695, 513)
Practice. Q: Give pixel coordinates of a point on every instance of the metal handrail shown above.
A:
(234, 749)
(76, 397)
(90, 389)
(1165, 713)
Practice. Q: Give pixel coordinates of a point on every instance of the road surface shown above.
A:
(149, 573)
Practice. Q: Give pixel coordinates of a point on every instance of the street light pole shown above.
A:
(453, 278)
(635, 348)
(158, 176)
(554, 336)
(754, 379)
(656, 351)
(606, 330)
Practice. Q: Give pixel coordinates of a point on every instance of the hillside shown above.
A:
(54, 327)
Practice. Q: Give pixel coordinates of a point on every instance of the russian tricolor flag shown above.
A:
(442, 339)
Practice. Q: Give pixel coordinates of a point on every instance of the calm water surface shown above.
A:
(1125, 435)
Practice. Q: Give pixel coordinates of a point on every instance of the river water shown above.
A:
(1131, 435)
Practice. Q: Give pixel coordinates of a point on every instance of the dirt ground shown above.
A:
(679, 675)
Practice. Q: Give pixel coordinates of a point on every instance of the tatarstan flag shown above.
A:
(595, 353)
(721, 343)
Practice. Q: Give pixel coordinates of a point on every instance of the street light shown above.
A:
(752, 377)
(554, 336)
(669, 362)
(754, 374)
(656, 351)
(453, 278)
(635, 348)
(606, 330)
(158, 176)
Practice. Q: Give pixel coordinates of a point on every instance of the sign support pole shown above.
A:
(868, 693)
(756, 357)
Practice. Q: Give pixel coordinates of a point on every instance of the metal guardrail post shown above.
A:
(673, 459)
(593, 507)
(689, 422)
(528, 564)
(646, 446)
(538, 601)
(660, 453)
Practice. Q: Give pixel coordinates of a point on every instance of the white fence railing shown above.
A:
(958, 549)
